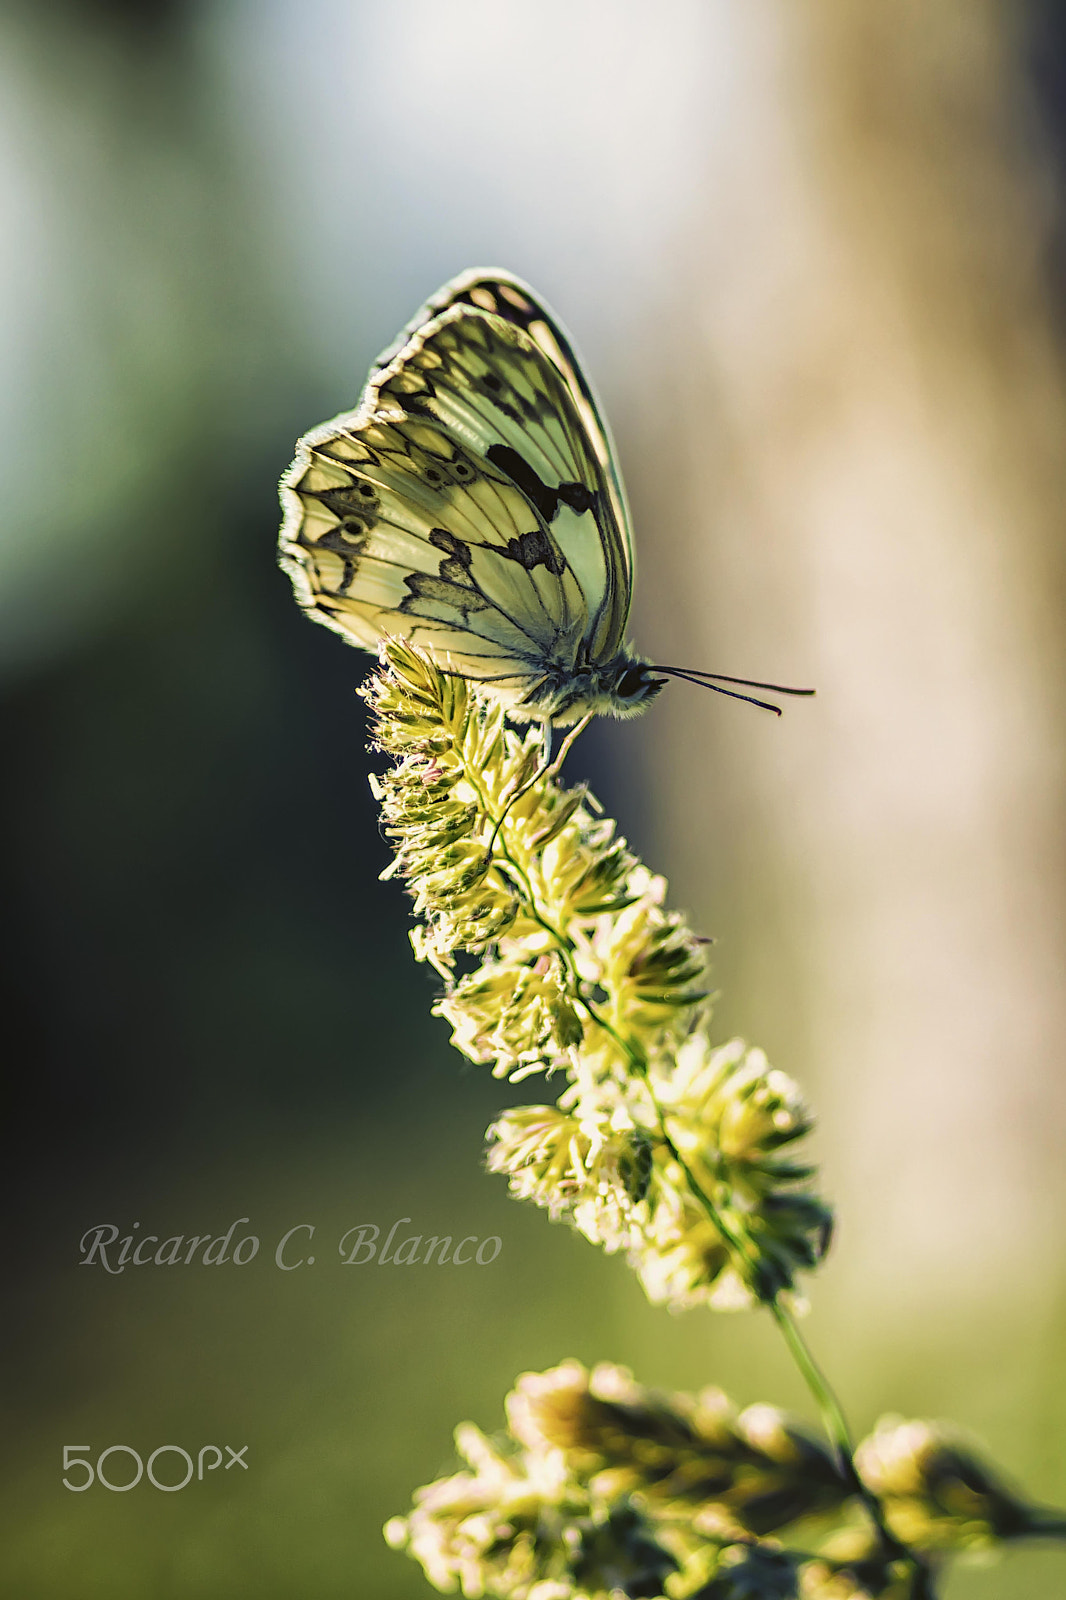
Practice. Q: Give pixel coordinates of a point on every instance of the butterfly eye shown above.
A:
(630, 683)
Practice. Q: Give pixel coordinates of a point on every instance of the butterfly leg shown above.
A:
(551, 768)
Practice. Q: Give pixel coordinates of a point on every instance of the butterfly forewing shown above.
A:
(470, 503)
(514, 301)
(488, 387)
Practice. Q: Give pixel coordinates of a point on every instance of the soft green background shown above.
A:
(817, 271)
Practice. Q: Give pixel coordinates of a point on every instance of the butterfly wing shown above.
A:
(492, 289)
(470, 503)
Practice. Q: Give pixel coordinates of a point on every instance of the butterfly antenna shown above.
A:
(745, 683)
(713, 680)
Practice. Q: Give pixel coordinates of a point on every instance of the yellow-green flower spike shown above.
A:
(659, 1146)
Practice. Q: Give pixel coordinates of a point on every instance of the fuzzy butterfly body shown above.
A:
(471, 504)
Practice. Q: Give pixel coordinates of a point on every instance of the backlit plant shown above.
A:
(559, 958)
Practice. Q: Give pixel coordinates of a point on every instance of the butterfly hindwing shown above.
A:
(403, 531)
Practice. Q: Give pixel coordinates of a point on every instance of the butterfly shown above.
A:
(472, 504)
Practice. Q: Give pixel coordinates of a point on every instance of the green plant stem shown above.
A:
(835, 1424)
(829, 1408)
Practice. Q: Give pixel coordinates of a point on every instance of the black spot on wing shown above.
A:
(355, 505)
(441, 472)
(455, 568)
(578, 496)
(534, 550)
(345, 542)
(532, 485)
(529, 550)
(443, 540)
(357, 509)
(423, 587)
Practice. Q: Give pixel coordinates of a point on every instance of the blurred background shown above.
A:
(814, 257)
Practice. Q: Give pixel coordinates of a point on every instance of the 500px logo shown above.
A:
(77, 1455)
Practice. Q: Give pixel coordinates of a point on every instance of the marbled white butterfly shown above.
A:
(472, 504)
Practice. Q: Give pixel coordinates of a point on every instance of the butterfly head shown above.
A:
(619, 687)
(633, 685)
(624, 685)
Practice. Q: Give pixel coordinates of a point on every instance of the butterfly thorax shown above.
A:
(620, 687)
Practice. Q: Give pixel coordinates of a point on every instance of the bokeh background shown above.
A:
(814, 256)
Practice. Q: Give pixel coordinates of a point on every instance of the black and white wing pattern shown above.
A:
(471, 504)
